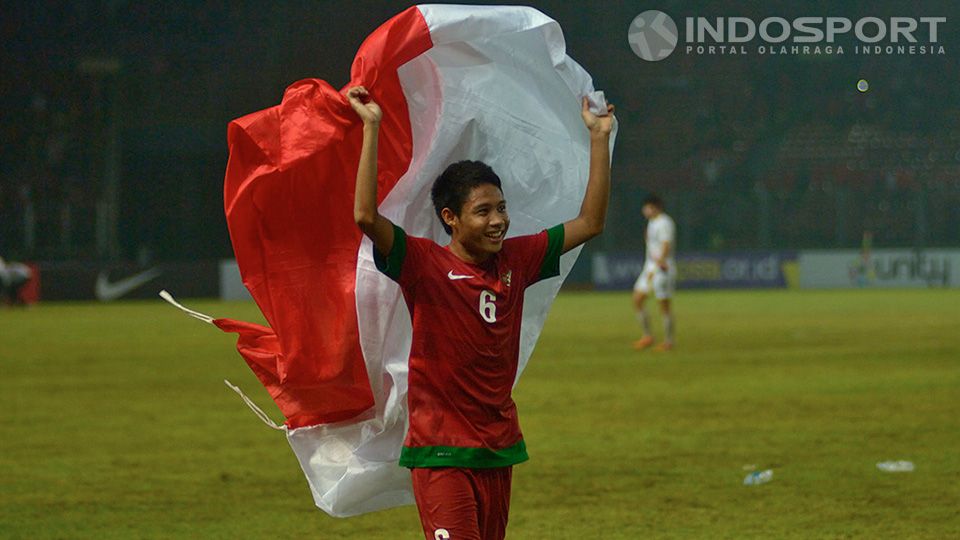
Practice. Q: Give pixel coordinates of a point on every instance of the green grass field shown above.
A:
(116, 424)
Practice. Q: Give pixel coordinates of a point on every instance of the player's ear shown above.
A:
(449, 217)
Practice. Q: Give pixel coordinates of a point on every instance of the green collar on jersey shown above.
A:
(392, 263)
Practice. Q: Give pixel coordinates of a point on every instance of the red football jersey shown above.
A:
(466, 346)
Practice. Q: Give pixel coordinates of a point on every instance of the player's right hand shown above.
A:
(364, 106)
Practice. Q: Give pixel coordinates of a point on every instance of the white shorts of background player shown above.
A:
(653, 279)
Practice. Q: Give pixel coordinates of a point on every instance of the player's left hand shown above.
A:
(598, 125)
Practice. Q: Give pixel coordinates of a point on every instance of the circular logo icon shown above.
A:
(652, 35)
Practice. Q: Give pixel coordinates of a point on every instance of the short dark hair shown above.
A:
(453, 186)
(654, 200)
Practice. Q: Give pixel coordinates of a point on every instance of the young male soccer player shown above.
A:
(466, 303)
(658, 275)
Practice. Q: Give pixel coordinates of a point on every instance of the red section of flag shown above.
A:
(288, 196)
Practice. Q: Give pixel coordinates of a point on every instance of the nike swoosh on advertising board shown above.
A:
(106, 291)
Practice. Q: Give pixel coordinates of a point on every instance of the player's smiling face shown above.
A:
(483, 222)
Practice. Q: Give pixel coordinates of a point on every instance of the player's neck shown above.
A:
(466, 255)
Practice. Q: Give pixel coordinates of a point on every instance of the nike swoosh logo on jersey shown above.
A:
(454, 277)
(106, 291)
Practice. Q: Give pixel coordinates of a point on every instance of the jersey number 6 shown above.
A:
(488, 310)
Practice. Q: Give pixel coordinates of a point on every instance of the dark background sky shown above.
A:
(187, 68)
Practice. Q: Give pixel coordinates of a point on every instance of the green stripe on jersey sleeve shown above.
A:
(391, 264)
(551, 259)
(453, 456)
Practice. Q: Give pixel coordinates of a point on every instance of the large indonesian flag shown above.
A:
(455, 82)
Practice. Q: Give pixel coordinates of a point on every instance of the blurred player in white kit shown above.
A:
(14, 276)
(659, 273)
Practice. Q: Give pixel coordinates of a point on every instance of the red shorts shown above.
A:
(463, 504)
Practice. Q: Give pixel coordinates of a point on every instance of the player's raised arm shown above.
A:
(365, 213)
(593, 210)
